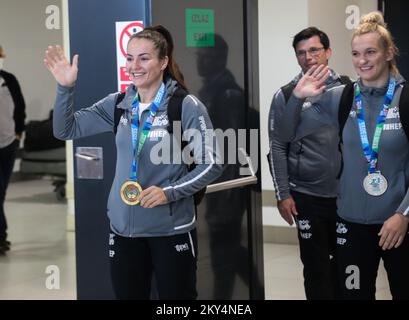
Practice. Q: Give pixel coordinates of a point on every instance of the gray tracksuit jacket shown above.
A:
(354, 204)
(178, 215)
(309, 164)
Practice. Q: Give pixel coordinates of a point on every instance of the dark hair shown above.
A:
(163, 42)
(309, 33)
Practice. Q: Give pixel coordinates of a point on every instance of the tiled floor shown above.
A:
(283, 274)
(37, 232)
(37, 222)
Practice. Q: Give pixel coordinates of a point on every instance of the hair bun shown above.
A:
(373, 18)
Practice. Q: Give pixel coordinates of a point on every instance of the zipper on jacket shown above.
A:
(333, 158)
(130, 221)
(299, 153)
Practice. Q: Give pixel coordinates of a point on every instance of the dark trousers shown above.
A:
(225, 213)
(7, 157)
(172, 260)
(359, 253)
(316, 235)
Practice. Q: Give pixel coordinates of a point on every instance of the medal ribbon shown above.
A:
(371, 153)
(138, 144)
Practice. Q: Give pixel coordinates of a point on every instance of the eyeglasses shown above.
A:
(312, 51)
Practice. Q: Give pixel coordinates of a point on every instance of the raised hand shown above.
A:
(64, 73)
(313, 82)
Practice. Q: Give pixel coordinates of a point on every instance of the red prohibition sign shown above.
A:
(128, 31)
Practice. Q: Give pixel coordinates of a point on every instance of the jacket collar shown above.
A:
(366, 90)
(170, 87)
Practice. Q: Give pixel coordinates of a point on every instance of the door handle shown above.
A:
(87, 156)
(230, 184)
(235, 183)
(90, 162)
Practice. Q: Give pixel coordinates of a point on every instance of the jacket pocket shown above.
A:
(155, 220)
(183, 212)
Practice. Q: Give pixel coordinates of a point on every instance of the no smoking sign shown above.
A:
(124, 31)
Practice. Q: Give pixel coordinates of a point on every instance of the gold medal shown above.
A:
(130, 191)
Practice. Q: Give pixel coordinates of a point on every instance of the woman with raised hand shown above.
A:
(373, 199)
(150, 206)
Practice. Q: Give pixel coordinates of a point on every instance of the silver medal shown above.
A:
(375, 184)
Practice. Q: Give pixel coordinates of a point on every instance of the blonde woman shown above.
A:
(373, 198)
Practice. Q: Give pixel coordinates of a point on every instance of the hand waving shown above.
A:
(64, 73)
(313, 82)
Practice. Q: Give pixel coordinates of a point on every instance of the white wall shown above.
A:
(276, 61)
(279, 21)
(24, 37)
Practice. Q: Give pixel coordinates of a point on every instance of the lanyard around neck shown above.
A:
(371, 153)
(138, 144)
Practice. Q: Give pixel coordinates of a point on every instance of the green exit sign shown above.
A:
(199, 27)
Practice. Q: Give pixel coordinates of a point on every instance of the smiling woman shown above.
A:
(373, 196)
(373, 52)
(145, 68)
(150, 206)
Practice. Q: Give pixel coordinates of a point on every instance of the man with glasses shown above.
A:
(305, 172)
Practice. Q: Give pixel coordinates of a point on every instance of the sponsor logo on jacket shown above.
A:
(161, 121)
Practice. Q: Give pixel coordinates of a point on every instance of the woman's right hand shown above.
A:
(312, 82)
(64, 73)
